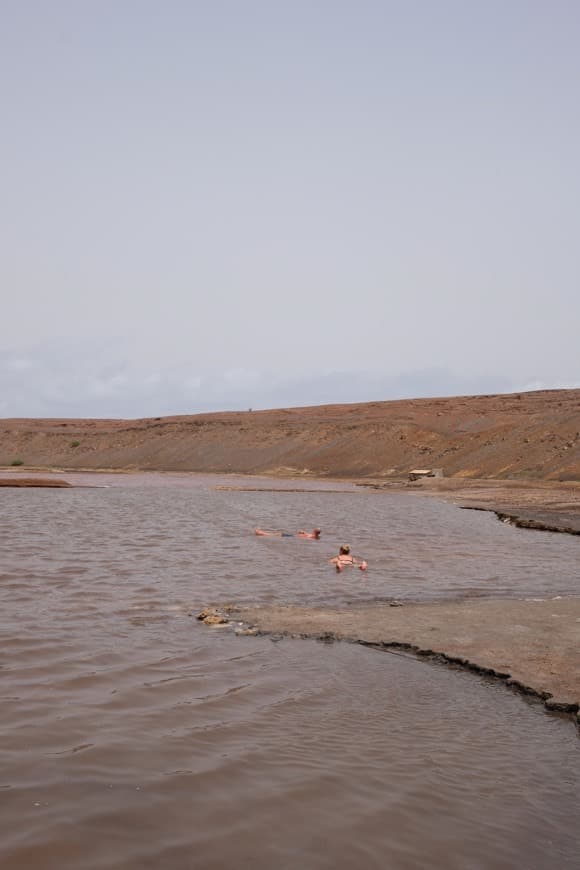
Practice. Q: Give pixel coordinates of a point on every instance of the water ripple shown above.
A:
(133, 737)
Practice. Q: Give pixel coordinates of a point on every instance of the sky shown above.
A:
(256, 203)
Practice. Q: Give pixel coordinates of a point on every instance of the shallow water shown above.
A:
(134, 737)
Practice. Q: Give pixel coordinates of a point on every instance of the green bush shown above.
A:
(75, 443)
(17, 462)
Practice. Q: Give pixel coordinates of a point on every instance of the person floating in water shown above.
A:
(346, 559)
(314, 535)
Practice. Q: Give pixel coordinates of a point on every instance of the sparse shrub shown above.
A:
(17, 462)
(75, 443)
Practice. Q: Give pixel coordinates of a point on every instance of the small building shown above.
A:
(422, 473)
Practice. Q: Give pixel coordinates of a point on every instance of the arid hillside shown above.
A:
(521, 436)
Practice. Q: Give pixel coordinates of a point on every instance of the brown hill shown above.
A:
(520, 436)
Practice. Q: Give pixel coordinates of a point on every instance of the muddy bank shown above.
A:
(533, 645)
(550, 506)
(53, 483)
(539, 520)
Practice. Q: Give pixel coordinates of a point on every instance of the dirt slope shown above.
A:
(520, 436)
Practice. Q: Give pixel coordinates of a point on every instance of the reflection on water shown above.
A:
(134, 737)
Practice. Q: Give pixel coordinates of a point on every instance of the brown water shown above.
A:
(134, 737)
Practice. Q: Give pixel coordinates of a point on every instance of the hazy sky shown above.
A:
(263, 202)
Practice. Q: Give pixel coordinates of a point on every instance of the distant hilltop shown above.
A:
(532, 435)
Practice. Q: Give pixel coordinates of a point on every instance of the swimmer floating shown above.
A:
(314, 535)
(345, 559)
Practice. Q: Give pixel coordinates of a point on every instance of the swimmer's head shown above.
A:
(345, 550)
(316, 533)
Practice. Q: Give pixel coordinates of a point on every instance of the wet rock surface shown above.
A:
(211, 616)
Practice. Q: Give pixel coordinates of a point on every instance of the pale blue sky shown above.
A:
(223, 204)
